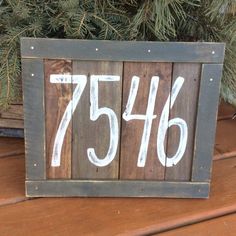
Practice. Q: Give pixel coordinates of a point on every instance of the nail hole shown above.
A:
(35, 164)
(211, 79)
(149, 50)
(32, 47)
(96, 49)
(36, 188)
(213, 52)
(32, 75)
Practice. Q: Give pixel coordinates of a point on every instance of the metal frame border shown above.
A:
(122, 50)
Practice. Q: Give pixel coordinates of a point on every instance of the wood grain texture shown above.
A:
(12, 177)
(132, 130)
(90, 216)
(185, 107)
(95, 134)
(224, 225)
(11, 147)
(57, 97)
(11, 123)
(13, 112)
(225, 111)
(225, 139)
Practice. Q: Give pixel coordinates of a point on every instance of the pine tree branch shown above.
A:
(109, 25)
(8, 74)
(81, 23)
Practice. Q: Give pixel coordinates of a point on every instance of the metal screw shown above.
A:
(213, 52)
(149, 50)
(96, 49)
(32, 47)
(211, 79)
(35, 164)
(32, 75)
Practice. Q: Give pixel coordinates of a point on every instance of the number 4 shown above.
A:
(148, 117)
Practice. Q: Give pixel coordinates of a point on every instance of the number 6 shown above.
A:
(164, 125)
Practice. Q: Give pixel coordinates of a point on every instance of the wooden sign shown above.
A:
(123, 119)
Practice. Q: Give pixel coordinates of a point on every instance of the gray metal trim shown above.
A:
(103, 188)
(206, 121)
(122, 50)
(12, 132)
(34, 123)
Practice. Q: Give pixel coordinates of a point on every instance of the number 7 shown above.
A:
(81, 81)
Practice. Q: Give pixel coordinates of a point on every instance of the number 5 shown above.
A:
(95, 113)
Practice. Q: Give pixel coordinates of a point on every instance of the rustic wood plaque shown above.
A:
(119, 119)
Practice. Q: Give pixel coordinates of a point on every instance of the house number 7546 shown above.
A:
(96, 112)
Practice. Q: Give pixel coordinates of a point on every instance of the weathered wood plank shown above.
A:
(225, 111)
(206, 121)
(185, 107)
(126, 216)
(225, 146)
(11, 146)
(57, 97)
(224, 225)
(95, 134)
(11, 123)
(34, 123)
(122, 50)
(12, 179)
(132, 130)
(13, 112)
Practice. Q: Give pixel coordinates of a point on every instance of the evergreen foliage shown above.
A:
(156, 20)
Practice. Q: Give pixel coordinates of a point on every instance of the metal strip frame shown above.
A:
(33, 53)
(122, 50)
(114, 188)
(34, 123)
(12, 132)
(206, 121)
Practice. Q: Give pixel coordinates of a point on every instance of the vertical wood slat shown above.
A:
(132, 130)
(206, 121)
(57, 97)
(33, 94)
(95, 134)
(185, 107)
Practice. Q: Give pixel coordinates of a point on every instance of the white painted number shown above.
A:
(95, 113)
(148, 117)
(81, 81)
(164, 125)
